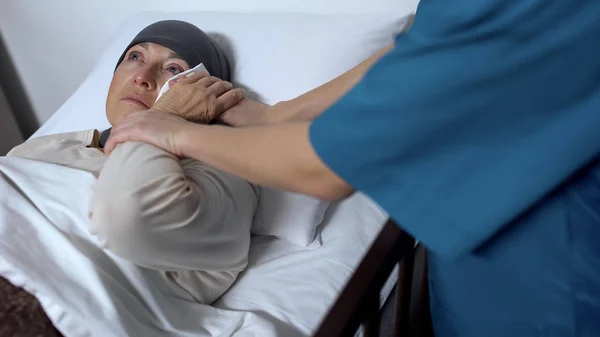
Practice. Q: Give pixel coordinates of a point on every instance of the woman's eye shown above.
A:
(135, 56)
(175, 69)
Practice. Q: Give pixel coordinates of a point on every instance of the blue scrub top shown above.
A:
(479, 133)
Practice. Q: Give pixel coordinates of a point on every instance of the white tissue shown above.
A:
(198, 68)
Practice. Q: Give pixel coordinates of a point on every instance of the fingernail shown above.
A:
(190, 74)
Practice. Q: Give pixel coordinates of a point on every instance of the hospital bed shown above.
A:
(288, 290)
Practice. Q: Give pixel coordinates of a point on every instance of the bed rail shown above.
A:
(358, 303)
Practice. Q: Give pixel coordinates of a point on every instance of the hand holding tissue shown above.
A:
(187, 73)
(196, 96)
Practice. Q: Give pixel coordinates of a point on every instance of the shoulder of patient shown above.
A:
(84, 138)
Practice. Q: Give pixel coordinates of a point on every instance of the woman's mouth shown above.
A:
(136, 101)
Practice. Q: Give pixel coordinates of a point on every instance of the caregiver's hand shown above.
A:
(158, 128)
(199, 98)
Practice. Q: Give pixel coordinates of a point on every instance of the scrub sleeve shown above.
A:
(481, 110)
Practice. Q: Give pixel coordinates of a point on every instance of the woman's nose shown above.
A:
(146, 79)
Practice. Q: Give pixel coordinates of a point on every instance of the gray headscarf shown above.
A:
(189, 42)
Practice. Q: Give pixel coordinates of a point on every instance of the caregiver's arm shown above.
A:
(305, 107)
(289, 163)
(308, 106)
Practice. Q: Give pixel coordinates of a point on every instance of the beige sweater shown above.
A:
(180, 217)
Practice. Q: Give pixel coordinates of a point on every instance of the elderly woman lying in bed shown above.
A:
(176, 216)
(179, 217)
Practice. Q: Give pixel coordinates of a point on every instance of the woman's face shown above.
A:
(145, 68)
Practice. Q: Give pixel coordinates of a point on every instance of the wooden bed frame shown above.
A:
(358, 303)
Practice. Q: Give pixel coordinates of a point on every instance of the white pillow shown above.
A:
(292, 217)
(276, 57)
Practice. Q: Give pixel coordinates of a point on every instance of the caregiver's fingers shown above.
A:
(123, 132)
(231, 98)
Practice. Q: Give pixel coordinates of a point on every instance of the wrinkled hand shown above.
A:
(158, 128)
(248, 112)
(199, 98)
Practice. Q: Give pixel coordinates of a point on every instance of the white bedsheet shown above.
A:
(297, 286)
(86, 291)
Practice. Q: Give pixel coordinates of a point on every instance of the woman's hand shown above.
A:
(248, 112)
(199, 98)
(158, 128)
